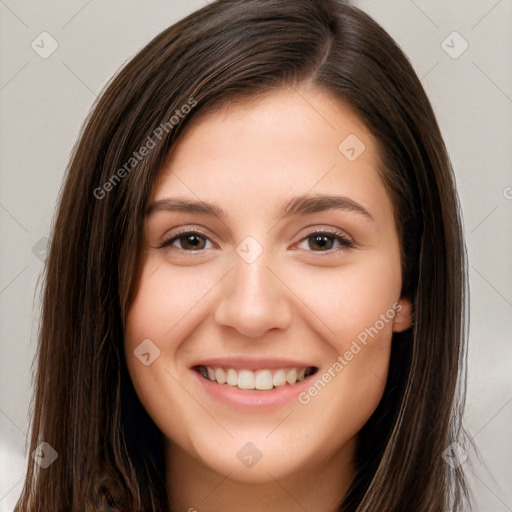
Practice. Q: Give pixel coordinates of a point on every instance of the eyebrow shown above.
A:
(300, 205)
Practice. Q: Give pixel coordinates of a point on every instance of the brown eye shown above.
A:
(192, 242)
(320, 242)
(326, 242)
(189, 241)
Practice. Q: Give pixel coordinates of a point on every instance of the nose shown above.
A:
(253, 299)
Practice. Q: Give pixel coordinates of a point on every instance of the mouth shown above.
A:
(255, 380)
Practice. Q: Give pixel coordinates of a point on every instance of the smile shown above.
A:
(262, 379)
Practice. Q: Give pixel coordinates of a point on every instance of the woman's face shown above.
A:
(272, 261)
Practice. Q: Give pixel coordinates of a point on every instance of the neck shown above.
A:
(194, 487)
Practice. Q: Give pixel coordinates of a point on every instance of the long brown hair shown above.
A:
(85, 406)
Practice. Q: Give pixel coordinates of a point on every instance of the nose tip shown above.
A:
(253, 300)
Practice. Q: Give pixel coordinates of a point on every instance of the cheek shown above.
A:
(166, 309)
(165, 302)
(356, 305)
(353, 299)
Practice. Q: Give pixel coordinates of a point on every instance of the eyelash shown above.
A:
(343, 241)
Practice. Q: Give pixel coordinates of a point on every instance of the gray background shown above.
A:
(45, 100)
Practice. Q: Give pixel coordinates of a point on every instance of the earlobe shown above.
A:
(403, 317)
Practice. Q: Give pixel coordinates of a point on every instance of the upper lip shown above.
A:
(248, 363)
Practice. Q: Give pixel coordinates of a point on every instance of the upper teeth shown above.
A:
(259, 379)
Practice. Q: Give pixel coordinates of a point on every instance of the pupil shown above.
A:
(193, 241)
(322, 242)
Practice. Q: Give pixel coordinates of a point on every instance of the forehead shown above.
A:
(255, 154)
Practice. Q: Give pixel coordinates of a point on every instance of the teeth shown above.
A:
(232, 377)
(291, 376)
(260, 379)
(264, 379)
(246, 379)
(279, 378)
(220, 375)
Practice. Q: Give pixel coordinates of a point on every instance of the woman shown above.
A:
(255, 293)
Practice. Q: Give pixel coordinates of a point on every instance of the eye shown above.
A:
(326, 242)
(188, 241)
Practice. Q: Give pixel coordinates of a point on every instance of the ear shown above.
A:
(403, 317)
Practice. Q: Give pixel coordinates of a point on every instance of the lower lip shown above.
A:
(253, 400)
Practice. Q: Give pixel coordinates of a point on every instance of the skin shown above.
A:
(294, 301)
